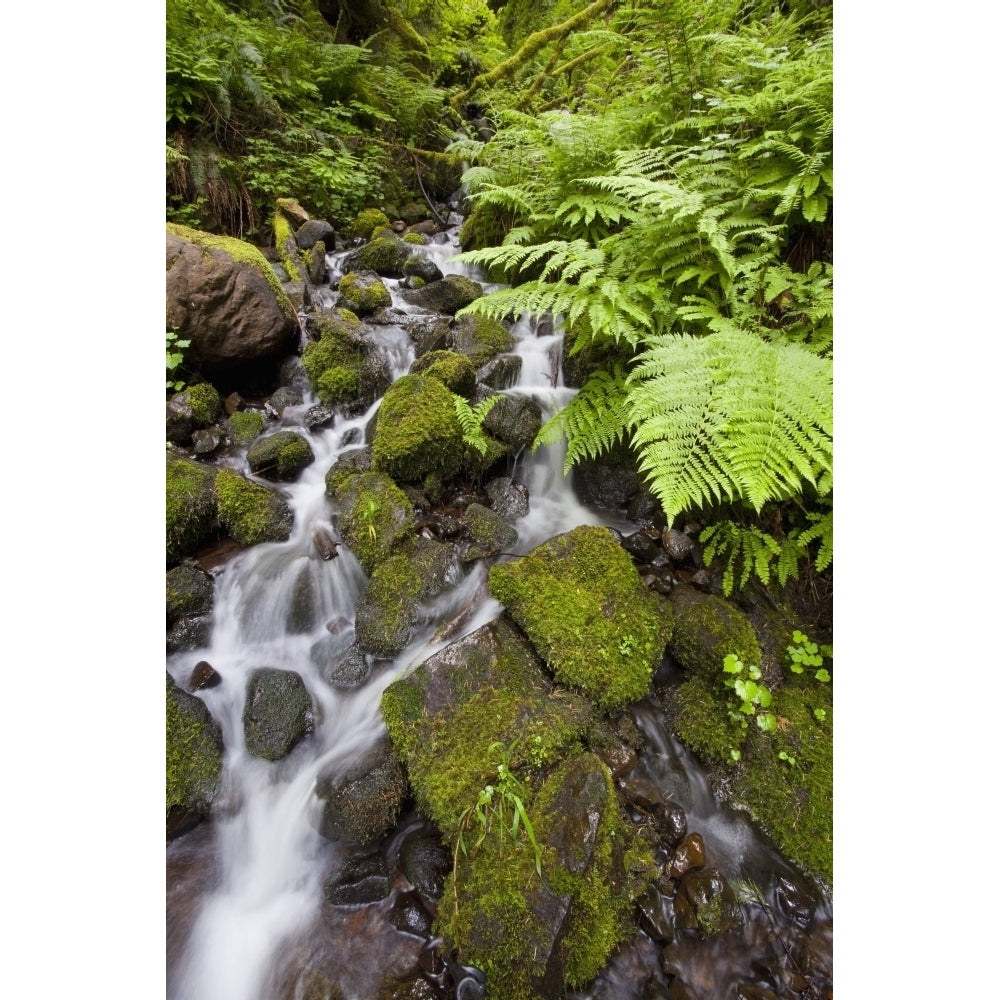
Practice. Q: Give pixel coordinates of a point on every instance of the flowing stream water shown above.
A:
(245, 907)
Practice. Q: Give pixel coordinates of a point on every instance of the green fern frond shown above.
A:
(593, 422)
(470, 419)
(729, 416)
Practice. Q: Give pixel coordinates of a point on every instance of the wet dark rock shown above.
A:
(641, 791)
(747, 991)
(488, 528)
(653, 989)
(676, 544)
(320, 415)
(362, 804)
(315, 231)
(677, 990)
(189, 633)
(374, 378)
(385, 255)
(358, 460)
(326, 544)
(280, 456)
(420, 266)
(689, 854)
(515, 420)
(207, 441)
(508, 498)
(425, 862)
(180, 421)
(304, 605)
(282, 398)
(671, 823)
(337, 625)
(293, 374)
(703, 580)
(278, 712)
(604, 484)
(501, 372)
(641, 545)
(234, 403)
(407, 914)
(705, 903)
(643, 505)
(203, 676)
(795, 902)
(451, 293)
(189, 592)
(429, 335)
(656, 915)
(350, 671)
(619, 757)
(363, 879)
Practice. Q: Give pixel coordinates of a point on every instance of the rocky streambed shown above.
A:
(442, 721)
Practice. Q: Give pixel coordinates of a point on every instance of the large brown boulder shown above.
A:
(223, 296)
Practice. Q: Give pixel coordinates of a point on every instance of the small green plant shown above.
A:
(470, 419)
(499, 808)
(368, 517)
(175, 357)
(752, 695)
(803, 652)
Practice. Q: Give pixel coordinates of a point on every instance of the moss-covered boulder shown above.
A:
(194, 759)
(280, 456)
(581, 602)
(224, 297)
(385, 255)
(390, 606)
(480, 338)
(333, 361)
(363, 292)
(417, 431)
(451, 293)
(420, 266)
(514, 420)
(455, 370)
(483, 711)
(706, 630)
(250, 512)
(362, 804)
(376, 515)
(245, 425)
(189, 607)
(277, 714)
(191, 506)
(365, 223)
(192, 409)
(489, 531)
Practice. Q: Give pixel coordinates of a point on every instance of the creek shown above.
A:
(246, 914)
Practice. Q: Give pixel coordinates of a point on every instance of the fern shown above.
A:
(470, 419)
(594, 420)
(729, 417)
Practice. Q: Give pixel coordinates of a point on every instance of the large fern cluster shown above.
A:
(696, 247)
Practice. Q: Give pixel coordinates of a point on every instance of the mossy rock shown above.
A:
(700, 717)
(385, 255)
(416, 238)
(481, 338)
(281, 456)
(250, 512)
(417, 431)
(277, 714)
(451, 293)
(488, 528)
(706, 630)
(245, 425)
(189, 592)
(191, 507)
(376, 515)
(389, 607)
(194, 753)
(333, 362)
(363, 292)
(365, 223)
(204, 403)
(515, 420)
(581, 602)
(455, 370)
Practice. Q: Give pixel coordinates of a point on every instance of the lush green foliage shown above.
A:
(175, 357)
(684, 227)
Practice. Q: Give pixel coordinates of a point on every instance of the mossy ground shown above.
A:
(580, 601)
(194, 752)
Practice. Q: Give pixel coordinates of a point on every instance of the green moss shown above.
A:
(376, 515)
(282, 455)
(251, 513)
(417, 431)
(191, 509)
(455, 370)
(333, 362)
(481, 338)
(242, 253)
(245, 425)
(385, 255)
(580, 601)
(205, 403)
(417, 238)
(367, 297)
(365, 222)
(194, 751)
(416, 281)
(702, 721)
(284, 238)
(706, 630)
